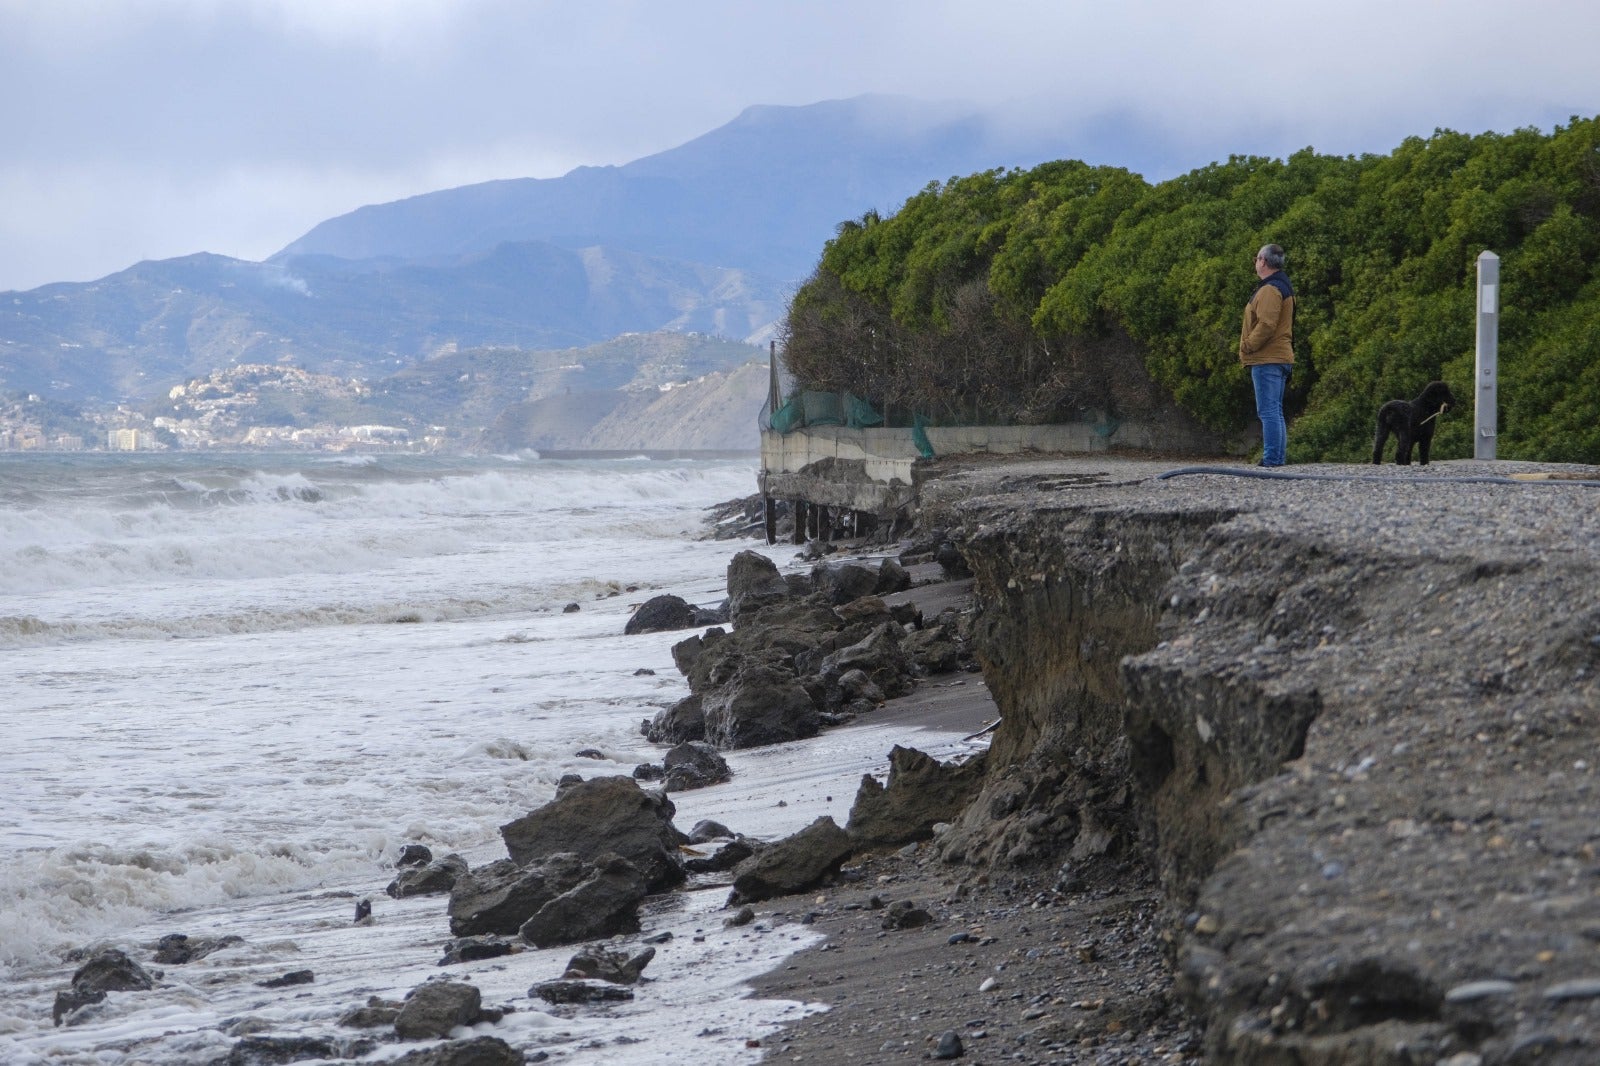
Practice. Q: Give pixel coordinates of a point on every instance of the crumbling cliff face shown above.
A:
(1350, 724)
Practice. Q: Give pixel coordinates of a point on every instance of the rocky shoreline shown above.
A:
(812, 650)
(1293, 769)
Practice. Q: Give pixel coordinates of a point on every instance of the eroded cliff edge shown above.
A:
(1349, 719)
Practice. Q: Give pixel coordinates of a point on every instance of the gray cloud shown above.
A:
(172, 126)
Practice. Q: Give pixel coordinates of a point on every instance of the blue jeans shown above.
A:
(1270, 380)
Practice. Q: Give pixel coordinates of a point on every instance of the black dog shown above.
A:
(1412, 422)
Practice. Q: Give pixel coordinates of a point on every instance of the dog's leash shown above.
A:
(1442, 409)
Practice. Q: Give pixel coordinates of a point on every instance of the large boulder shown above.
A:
(567, 992)
(921, 793)
(109, 971)
(683, 721)
(435, 1008)
(435, 878)
(694, 764)
(892, 578)
(476, 949)
(760, 705)
(839, 583)
(478, 1051)
(753, 581)
(933, 650)
(596, 963)
(262, 1050)
(605, 814)
(878, 654)
(725, 856)
(868, 611)
(377, 1013)
(659, 614)
(499, 897)
(707, 658)
(789, 628)
(793, 864)
(604, 905)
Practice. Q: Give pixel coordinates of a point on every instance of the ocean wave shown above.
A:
(65, 897)
(236, 523)
(20, 630)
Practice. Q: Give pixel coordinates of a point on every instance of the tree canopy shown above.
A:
(1036, 295)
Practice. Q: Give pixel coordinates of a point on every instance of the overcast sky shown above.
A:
(145, 129)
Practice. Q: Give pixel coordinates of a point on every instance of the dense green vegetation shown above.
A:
(1032, 295)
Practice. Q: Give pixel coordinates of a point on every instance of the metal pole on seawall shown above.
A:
(1486, 388)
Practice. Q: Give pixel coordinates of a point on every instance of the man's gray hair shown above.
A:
(1273, 256)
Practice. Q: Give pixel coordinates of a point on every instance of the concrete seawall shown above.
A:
(877, 470)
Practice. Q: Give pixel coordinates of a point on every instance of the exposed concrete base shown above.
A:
(877, 471)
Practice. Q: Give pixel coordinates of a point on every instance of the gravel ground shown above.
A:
(1019, 971)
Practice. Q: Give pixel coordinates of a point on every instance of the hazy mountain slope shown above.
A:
(717, 412)
(138, 332)
(553, 422)
(714, 413)
(761, 193)
(471, 388)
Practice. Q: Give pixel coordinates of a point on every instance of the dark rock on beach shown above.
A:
(603, 815)
(660, 614)
(649, 771)
(760, 704)
(176, 949)
(500, 896)
(109, 971)
(839, 583)
(803, 654)
(475, 949)
(281, 1050)
(581, 992)
(905, 914)
(877, 654)
(433, 1009)
(694, 764)
(433, 878)
(603, 964)
(726, 856)
(684, 720)
(414, 855)
(478, 1051)
(921, 792)
(753, 582)
(376, 1013)
(604, 904)
(793, 864)
(289, 980)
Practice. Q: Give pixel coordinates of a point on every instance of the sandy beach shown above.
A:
(1021, 969)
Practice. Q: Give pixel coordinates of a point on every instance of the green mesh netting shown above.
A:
(919, 437)
(807, 408)
(824, 409)
(861, 412)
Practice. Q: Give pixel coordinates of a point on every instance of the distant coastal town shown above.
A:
(222, 411)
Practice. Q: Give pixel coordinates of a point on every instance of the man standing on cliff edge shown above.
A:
(1266, 347)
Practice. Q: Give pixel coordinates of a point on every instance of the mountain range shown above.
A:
(707, 237)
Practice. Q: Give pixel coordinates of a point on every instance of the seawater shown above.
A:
(233, 687)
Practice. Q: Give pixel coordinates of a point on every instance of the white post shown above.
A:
(1486, 387)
